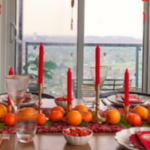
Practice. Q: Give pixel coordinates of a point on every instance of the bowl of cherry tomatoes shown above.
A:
(77, 136)
(61, 101)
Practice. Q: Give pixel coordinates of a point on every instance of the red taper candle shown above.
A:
(41, 57)
(10, 73)
(97, 65)
(69, 86)
(126, 89)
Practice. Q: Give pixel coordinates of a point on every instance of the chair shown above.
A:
(109, 85)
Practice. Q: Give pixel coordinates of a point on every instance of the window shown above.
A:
(48, 22)
(119, 31)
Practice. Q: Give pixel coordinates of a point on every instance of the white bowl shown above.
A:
(78, 140)
(61, 103)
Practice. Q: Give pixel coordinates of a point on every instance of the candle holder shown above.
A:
(69, 108)
(126, 109)
(97, 118)
(9, 108)
(40, 88)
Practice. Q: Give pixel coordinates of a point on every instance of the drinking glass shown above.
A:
(103, 74)
(16, 86)
(88, 95)
(26, 124)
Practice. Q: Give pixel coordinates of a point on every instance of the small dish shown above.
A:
(78, 140)
(61, 103)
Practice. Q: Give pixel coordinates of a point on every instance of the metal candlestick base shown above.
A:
(97, 118)
(69, 108)
(40, 88)
(126, 109)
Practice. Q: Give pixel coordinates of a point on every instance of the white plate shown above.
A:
(114, 100)
(122, 137)
(34, 99)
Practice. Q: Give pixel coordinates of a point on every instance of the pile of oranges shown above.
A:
(73, 117)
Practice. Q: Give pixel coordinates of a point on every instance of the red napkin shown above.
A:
(144, 137)
(133, 99)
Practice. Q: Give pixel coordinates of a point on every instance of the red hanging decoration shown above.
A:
(144, 16)
(72, 5)
(144, 0)
(0, 7)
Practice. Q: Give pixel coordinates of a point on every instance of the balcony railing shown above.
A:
(35, 46)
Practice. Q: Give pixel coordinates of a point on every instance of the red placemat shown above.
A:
(58, 127)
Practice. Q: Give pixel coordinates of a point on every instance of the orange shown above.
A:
(148, 119)
(27, 114)
(73, 118)
(55, 116)
(3, 111)
(141, 111)
(58, 108)
(133, 119)
(41, 119)
(87, 116)
(9, 119)
(81, 108)
(113, 116)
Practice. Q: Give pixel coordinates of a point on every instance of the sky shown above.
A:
(102, 17)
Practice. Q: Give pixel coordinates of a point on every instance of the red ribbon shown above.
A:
(144, 0)
(144, 16)
(72, 3)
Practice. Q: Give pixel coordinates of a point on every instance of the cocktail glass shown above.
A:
(103, 74)
(16, 86)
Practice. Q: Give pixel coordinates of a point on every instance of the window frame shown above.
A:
(7, 49)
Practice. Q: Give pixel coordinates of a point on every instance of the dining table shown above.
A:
(56, 141)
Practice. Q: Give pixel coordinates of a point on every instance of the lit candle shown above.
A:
(97, 65)
(126, 89)
(69, 86)
(41, 56)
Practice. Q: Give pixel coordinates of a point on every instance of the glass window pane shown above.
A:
(49, 22)
(117, 26)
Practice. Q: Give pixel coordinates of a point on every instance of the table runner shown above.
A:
(58, 127)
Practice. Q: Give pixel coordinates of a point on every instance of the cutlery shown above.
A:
(106, 102)
(3, 133)
(1, 138)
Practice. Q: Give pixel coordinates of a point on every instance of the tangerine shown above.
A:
(141, 111)
(41, 119)
(3, 111)
(73, 118)
(87, 116)
(27, 114)
(113, 116)
(81, 108)
(55, 116)
(133, 119)
(58, 108)
(9, 119)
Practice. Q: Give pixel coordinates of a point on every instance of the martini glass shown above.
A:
(103, 74)
(16, 86)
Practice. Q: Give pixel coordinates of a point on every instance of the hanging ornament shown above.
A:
(144, 13)
(72, 5)
(0, 7)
